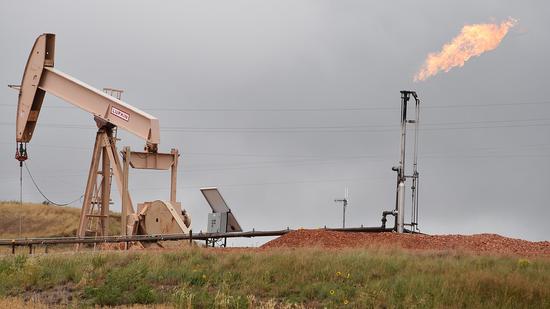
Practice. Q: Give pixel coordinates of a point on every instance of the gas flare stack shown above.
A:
(401, 170)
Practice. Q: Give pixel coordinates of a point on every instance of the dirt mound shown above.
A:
(480, 243)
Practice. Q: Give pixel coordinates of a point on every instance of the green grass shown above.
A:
(197, 277)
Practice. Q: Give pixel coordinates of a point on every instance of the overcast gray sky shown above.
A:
(250, 92)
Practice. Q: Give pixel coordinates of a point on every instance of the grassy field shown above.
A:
(43, 220)
(244, 278)
(206, 278)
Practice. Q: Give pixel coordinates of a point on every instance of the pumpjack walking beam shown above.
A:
(40, 77)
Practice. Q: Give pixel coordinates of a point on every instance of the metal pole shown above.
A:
(20, 196)
(414, 218)
(344, 205)
(174, 175)
(404, 100)
(125, 194)
(344, 215)
(400, 207)
(105, 190)
(125, 171)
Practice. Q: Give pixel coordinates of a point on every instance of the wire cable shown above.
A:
(313, 109)
(44, 196)
(436, 126)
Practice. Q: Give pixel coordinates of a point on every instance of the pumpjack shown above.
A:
(110, 114)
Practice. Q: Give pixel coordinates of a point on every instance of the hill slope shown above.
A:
(43, 220)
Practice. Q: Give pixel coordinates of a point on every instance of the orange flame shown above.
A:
(473, 40)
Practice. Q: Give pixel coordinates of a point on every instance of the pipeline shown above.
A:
(384, 215)
(167, 237)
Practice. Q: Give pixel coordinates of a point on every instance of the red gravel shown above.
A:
(479, 243)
